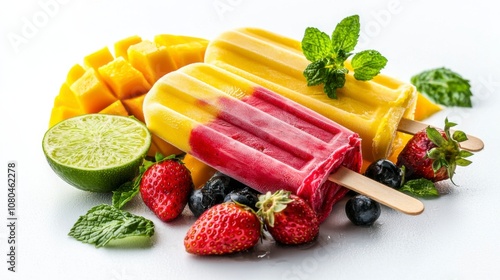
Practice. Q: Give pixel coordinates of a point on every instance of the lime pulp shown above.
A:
(97, 152)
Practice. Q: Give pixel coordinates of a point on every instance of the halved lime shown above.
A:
(97, 152)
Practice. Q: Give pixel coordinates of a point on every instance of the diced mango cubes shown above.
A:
(117, 84)
(134, 106)
(152, 60)
(123, 79)
(121, 46)
(74, 73)
(115, 108)
(98, 58)
(60, 113)
(184, 49)
(91, 92)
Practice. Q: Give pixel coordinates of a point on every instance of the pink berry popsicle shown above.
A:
(259, 137)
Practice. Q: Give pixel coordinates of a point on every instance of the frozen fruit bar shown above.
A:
(373, 109)
(252, 134)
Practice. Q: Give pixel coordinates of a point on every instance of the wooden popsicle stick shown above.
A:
(377, 191)
(473, 143)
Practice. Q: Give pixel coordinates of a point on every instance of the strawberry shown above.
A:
(165, 186)
(223, 229)
(434, 154)
(289, 219)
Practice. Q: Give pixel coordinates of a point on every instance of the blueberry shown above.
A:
(213, 192)
(245, 196)
(385, 172)
(362, 211)
(195, 203)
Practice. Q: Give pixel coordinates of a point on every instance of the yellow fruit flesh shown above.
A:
(425, 108)
(116, 108)
(124, 80)
(152, 60)
(91, 92)
(117, 84)
(122, 46)
(200, 172)
(74, 73)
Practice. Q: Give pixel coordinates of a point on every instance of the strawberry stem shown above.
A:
(269, 204)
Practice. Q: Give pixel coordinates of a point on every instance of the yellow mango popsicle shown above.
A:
(373, 108)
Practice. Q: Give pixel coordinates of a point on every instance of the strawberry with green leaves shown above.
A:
(224, 229)
(165, 186)
(289, 219)
(434, 154)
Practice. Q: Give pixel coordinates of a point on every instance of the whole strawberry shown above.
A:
(165, 186)
(434, 154)
(223, 229)
(288, 218)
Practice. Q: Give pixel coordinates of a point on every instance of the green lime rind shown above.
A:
(97, 152)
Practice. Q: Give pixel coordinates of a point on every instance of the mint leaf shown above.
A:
(367, 64)
(346, 34)
(104, 223)
(444, 86)
(420, 187)
(316, 44)
(124, 194)
(316, 73)
(328, 56)
(335, 81)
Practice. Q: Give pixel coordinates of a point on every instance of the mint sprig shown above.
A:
(328, 55)
(444, 86)
(104, 223)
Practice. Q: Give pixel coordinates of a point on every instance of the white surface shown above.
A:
(457, 236)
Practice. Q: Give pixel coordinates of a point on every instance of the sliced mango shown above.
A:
(115, 108)
(121, 46)
(67, 98)
(192, 52)
(172, 40)
(134, 106)
(91, 92)
(61, 113)
(153, 150)
(200, 172)
(124, 80)
(152, 60)
(118, 84)
(425, 107)
(98, 58)
(74, 73)
(184, 49)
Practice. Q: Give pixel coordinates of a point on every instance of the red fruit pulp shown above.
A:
(295, 150)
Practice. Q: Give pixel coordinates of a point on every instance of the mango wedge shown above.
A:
(425, 108)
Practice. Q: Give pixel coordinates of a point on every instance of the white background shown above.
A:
(457, 236)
